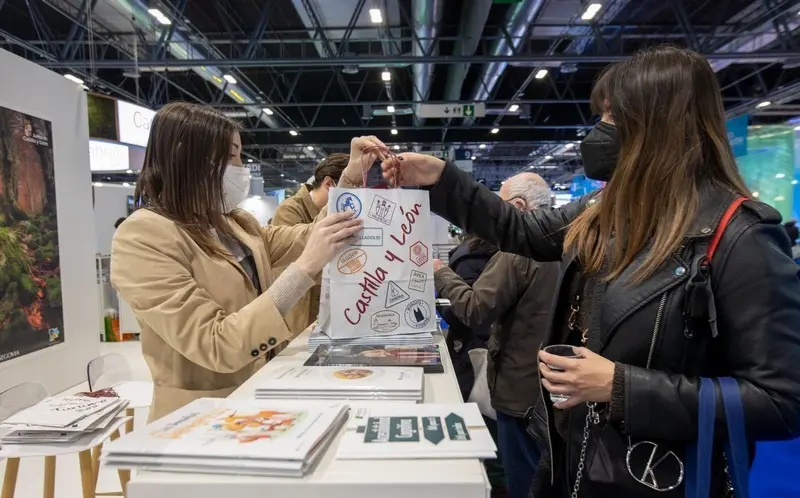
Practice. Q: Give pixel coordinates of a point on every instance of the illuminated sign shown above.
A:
(108, 156)
(134, 123)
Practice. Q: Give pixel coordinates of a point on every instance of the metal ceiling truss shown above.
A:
(279, 65)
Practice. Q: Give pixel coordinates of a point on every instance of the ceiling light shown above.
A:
(482, 146)
(293, 133)
(129, 171)
(474, 157)
(540, 74)
(765, 103)
(495, 131)
(281, 175)
(794, 182)
(513, 108)
(74, 79)
(547, 158)
(310, 147)
(268, 111)
(780, 198)
(797, 128)
(755, 195)
(396, 147)
(230, 79)
(249, 160)
(591, 11)
(386, 75)
(394, 131)
(375, 16)
(160, 17)
(390, 109)
(780, 175)
(569, 146)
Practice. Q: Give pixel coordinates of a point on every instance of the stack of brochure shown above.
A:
(231, 436)
(342, 383)
(319, 338)
(62, 420)
(400, 431)
(381, 355)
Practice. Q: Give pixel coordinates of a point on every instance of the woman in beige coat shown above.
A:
(198, 273)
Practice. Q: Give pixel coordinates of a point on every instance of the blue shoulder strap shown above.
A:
(698, 455)
(736, 449)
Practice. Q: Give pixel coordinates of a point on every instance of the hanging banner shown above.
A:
(382, 283)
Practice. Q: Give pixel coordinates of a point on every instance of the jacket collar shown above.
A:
(304, 196)
(714, 200)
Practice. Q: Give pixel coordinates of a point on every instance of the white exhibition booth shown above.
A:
(63, 365)
(33, 90)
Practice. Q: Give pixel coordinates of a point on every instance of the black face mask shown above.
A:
(600, 151)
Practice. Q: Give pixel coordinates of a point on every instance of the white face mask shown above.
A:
(236, 186)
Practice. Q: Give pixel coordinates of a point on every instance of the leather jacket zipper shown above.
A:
(659, 315)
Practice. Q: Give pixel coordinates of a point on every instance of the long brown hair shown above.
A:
(187, 154)
(667, 106)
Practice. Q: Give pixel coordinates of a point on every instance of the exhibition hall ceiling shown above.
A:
(505, 83)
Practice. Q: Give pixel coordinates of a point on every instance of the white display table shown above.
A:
(335, 478)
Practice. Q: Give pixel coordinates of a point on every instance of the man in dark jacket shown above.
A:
(516, 294)
(467, 260)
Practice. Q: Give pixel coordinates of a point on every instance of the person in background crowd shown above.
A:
(118, 223)
(515, 294)
(197, 272)
(303, 207)
(634, 299)
(467, 260)
(794, 234)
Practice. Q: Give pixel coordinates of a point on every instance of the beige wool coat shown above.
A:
(204, 327)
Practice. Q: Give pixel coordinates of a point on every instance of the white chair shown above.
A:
(112, 370)
(26, 395)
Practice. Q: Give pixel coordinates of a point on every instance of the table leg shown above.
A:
(87, 473)
(10, 478)
(49, 477)
(124, 475)
(96, 462)
(129, 424)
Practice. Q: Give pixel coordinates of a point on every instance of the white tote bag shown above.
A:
(479, 358)
(382, 283)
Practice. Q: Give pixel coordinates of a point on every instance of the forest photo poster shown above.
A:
(31, 316)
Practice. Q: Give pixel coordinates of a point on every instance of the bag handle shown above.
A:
(699, 455)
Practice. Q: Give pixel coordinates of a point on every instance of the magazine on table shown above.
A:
(403, 431)
(425, 356)
(333, 378)
(62, 412)
(218, 429)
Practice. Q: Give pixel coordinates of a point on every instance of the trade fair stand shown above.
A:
(335, 478)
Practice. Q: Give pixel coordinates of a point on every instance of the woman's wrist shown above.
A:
(307, 266)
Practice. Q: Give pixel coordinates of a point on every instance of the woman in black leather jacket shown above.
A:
(645, 333)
